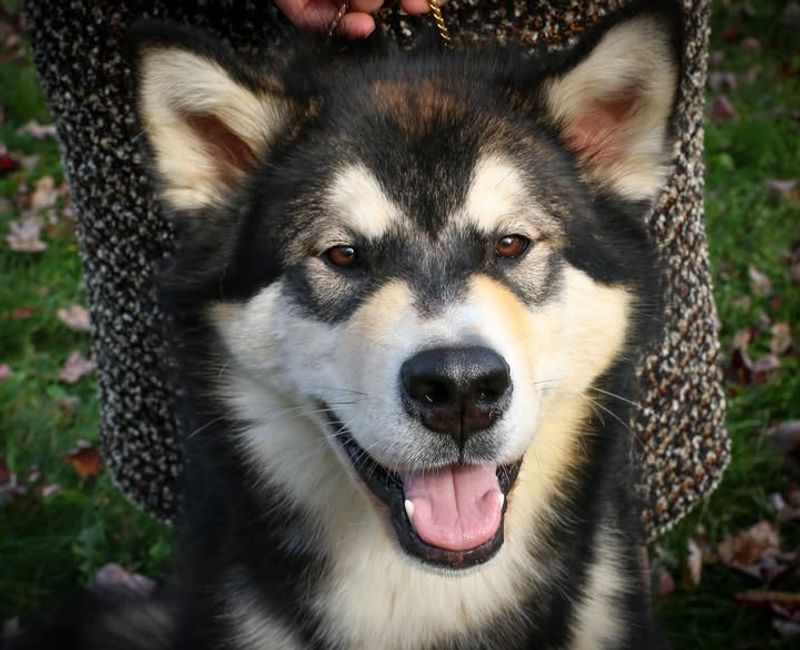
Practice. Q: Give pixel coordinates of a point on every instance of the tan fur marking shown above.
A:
(357, 199)
(597, 619)
(416, 103)
(498, 201)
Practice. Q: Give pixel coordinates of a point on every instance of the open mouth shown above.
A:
(451, 517)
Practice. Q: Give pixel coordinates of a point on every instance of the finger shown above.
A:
(356, 25)
(309, 15)
(365, 6)
(416, 7)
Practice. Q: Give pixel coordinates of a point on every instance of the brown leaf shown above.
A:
(76, 318)
(85, 460)
(742, 338)
(7, 162)
(44, 194)
(759, 598)
(11, 628)
(49, 490)
(750, 44)
(38, 131)
(760, 284)
(115, 577)
(754, 551)
(722, 80)
(786, 629)
(722, 110)
(24, 235)
(24, 312)
(764, 368)
(786, 190)
(5, 371)
(75, 368)
(69, 404)
(781, 341)
(785, 437)
(666, 583)
(783, 510)
(740, 369)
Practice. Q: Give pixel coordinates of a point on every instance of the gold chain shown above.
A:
(438, 18)
(436, 12)
(343, 9)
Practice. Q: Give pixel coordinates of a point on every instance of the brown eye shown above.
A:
(344, 257)
(511, 246)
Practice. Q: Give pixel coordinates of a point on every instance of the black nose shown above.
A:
(456, 391)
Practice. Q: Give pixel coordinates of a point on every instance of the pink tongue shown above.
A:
(455, 508)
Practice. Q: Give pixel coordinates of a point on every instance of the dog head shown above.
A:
(417, 254)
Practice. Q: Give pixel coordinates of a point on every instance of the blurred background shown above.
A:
(727, 577)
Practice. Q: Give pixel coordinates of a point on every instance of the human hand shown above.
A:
(356, 23)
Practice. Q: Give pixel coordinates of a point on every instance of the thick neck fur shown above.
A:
(290, 546)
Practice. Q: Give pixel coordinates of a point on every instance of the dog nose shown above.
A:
(456, 391)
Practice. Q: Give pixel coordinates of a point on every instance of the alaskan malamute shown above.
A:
(410, 292)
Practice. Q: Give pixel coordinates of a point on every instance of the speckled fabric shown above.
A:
(77, 47)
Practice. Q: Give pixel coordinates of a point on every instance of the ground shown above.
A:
(726, 577)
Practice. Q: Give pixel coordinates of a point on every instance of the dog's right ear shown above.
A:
(208, 118)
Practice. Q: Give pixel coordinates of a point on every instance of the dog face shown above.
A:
(419, 258)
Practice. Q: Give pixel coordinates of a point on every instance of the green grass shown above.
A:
(49, 546)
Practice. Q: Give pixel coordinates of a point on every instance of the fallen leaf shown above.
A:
(11, 628)
(44, 194)
(758, 598)
(69, 404)
(722, 81)
(731, 34)
(786, 190)
(743, 303)
(49, 490)
(85, 460)
(666, 583)
(740, 369)
(752, 74)
(113, 577)
(75, 368)
(783, 511)
(76, 318)
(791, 15)
(781, 341)
(785, 437)
(764, 368)
(750, 44)
(24, 235)
(760, 284)
(38, 131)
(722, 110)
(754, 551)
(7, 162)
(786, 629)
(694, 562)
(24, 312)
(742, 338)
(5, 371)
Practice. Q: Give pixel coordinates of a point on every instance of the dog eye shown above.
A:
(511, 246)
(343, 257)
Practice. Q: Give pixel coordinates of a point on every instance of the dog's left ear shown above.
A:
(208, 117)
(613, 106)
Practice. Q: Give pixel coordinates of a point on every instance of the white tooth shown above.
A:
(410, 510)
(502, 499)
